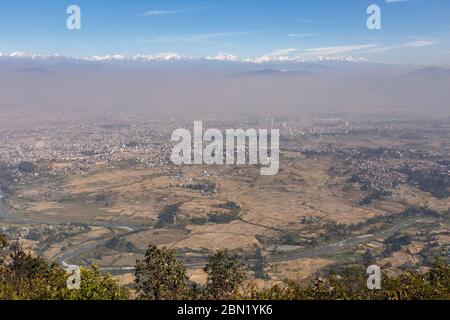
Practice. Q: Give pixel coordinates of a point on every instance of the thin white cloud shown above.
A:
(420, 43)
(282, 52)
(303, 20)
(394, 1)
(337, 50)
(203, 38)
(382, 49)
(301, 35)
(152, 13)
(415, 42)
(172, 11)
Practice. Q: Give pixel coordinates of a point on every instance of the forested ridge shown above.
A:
(162, 276)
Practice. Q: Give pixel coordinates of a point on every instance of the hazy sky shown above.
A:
(413, 31)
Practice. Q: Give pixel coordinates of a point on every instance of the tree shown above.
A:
(161, 276)
(439, 278)
(95, 286)
(25, 277)
(26, 167)
(3, 242)
(3, 247)
(225, 275)
(350, 284)
(368, 258)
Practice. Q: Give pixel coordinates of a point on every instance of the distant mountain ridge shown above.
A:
(173, 56)
(428, 73)
(274, 72)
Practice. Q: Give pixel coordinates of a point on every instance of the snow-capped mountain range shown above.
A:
(173, 56)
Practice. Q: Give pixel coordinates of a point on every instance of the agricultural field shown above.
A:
(333, 202)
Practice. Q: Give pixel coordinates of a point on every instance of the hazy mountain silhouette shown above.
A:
(273, 72)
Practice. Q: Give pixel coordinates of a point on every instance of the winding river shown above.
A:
(8, 216)
(76, 250)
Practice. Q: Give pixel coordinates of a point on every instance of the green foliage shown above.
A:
(119, 244)
(3, 242)
(351, 285)
(433, 181)
(161, 275)
(223, 218)
(225, 275)
(95, 286)
(432, 285)
(25, 277)
(168, 216)
(395, 242)
(368, 258)
(3, 246)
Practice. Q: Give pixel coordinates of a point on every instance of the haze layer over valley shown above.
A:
(193, 87)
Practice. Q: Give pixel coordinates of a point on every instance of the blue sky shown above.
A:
(413, 31)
